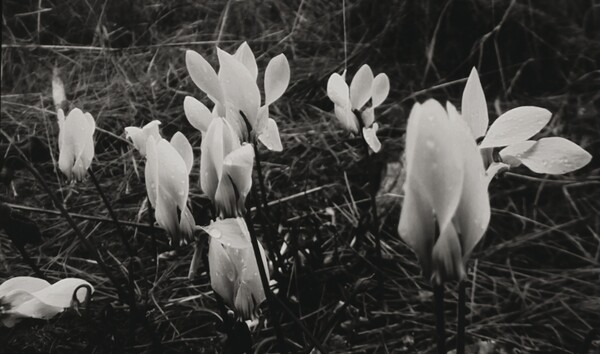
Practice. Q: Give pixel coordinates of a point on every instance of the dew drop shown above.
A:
(216, 233)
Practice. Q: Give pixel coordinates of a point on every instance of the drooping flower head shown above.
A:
(225, 168)
(168, 165)
(139, 136)
(233, 266)
(28, 297)
(75, 143)
(446, 206)
(236, 95)
(350, 102)
(511, 131)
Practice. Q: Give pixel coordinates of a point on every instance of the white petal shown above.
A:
(151, 170)
(370, 135)
(231, 232)
(453, 114)
(277, 78)
(361, 87)
(239, 86)
(222, 271)
(474, 106)
(347, 118)
(203, 75)
(270, 136)
(512, 153)
(553, 156)
(516, 125)
(28, 284)
(434, 161)
(250, 292)
(219, 141)
(183, 147)
(245, 56)
(447, 257)
(235, 181)
(338, 91)
(368, 116)
(381, 88)
(473, 212)
(61, 293)
(77, 151)
(58, 90)
(197, 113)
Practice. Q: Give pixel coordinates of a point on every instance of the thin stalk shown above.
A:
(132, 253)
(460, 333)
(262, 207)
(265, 283)
(124, 296)
(374, 224)
(440, 326)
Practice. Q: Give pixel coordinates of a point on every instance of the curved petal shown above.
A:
(381, 89)
(361, 87)
(61, 293)
(235, 181)
(151, 170)
(186, 225)
(512, 153)
(183, 147)
(277, 78)
(238, 85)
(197, 113)
(370, 135)
(219, 141)
(368, 116)
(347, 118)
(553, 156)
(250, 292)
(78, 141)
(231, 232)
(28, 284)
(58, 90)
(473, 212)
(474, 106)
(222, 271)
(515, 126)
(270, 136)
(447, 261)
(245, 56)
(203, 75)
(338, 91)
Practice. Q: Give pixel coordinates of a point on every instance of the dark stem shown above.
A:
(264, 211)
(265, 283)
(440, 327)
(124, 296)
(374, 222)
(132, 253)
(460, 333)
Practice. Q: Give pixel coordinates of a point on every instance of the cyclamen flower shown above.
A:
(446, 206)
(28, 297)
(75, 143)
(225, 168)
(168, 165)
(139, 136)
(235, 94)
(512, 129)
(233, 266)
(350, 101)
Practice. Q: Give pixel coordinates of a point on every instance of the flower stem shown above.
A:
(460, 333)
(262, 207)
(265, 283)
(440, 327)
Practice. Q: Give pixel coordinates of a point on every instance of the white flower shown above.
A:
(233, 267)
(225, 168)
(139, 135)
(350, 101)
(75, 143)
(28, 297)
(235, 93)
(168, 165)
(445, 190)
(512, 130)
